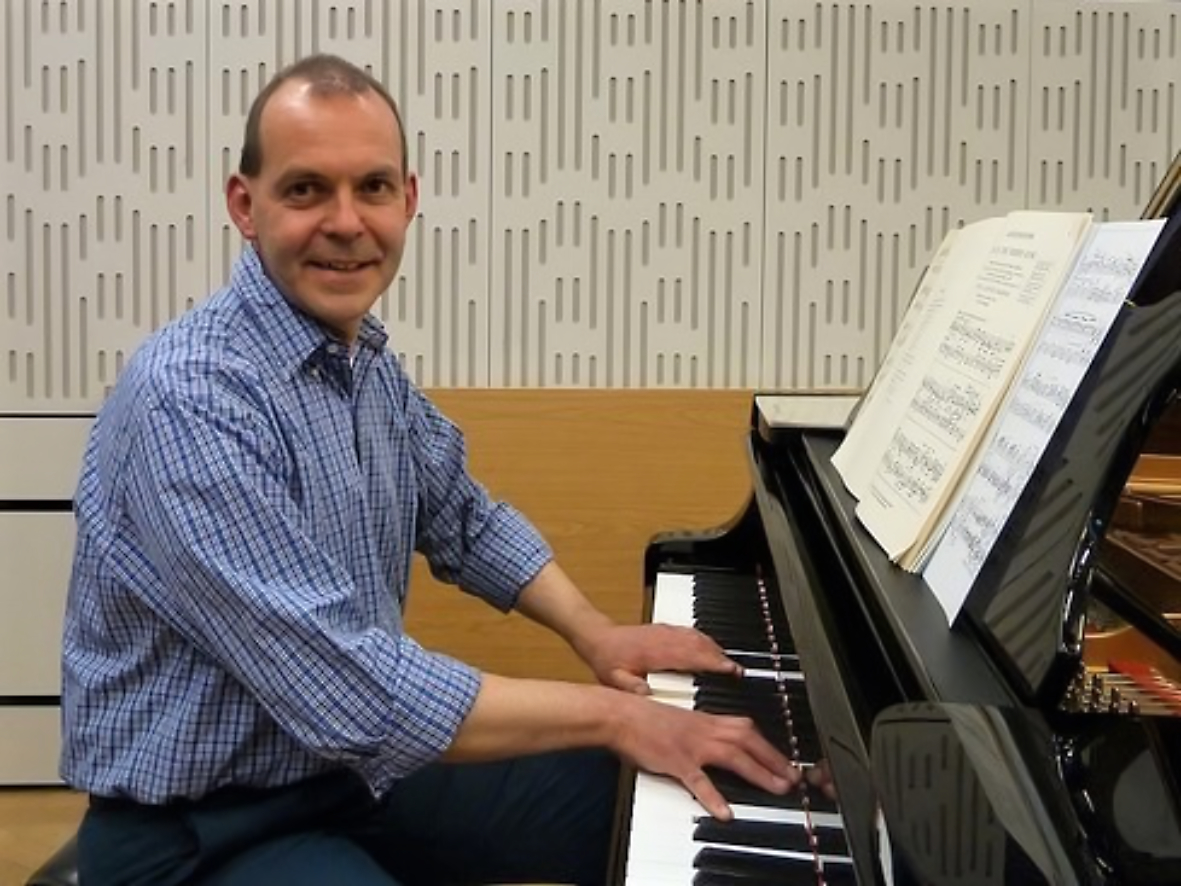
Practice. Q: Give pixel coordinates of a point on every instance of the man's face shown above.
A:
(329, 209)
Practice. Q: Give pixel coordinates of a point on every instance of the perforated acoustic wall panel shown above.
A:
(628, 195)
(614, 192)
(887, 124)
(105, 188)
(1104, 104)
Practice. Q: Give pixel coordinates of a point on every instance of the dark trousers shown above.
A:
(543, 818)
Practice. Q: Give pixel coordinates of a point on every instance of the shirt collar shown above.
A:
(294, 338)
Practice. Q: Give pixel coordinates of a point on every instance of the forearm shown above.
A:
(517, 717)
(514, 717)
(551, 599)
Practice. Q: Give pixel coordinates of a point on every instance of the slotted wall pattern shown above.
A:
(615, 193)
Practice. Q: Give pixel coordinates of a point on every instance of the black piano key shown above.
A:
(736, 789)
(715, 703)
(772, 724)
(769, 720)
(839, 875)
(766, 709)
(733, 687)
(713, 878)
(771, 835)
(729, 637)
(818, 801)
(726, 583)
(761, 694)
(741, 690)
(729, 614)
(766, 661)
(738, 612)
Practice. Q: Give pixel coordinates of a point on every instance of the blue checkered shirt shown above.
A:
(247, 511)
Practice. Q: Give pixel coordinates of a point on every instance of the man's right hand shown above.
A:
(511, 717)
(668, 740)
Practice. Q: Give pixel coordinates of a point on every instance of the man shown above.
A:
(240, 700)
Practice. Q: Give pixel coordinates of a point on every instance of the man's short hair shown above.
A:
(327, 75)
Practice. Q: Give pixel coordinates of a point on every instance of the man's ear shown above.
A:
(239, 204)
(411, 190)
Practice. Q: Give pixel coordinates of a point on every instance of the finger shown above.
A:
(708, 796)
(753, 771)
(820, 778)
(726, 666)
(710, 657)
(629, 682)
(751, 742)
(718, 661)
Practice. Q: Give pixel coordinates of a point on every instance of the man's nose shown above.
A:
(343, 218)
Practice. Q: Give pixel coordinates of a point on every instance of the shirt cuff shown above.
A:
(432, 697)
(506, 556)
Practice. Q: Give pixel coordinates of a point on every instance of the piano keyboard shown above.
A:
(798, 838)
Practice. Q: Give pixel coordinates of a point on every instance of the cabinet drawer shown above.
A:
(36, 550)
(30, 745)
(40, 457)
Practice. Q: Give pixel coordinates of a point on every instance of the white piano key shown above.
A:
(668, 684)
(781, 676)
(672, 604)
(661, 811)
(664, 815)
(672, 599)
(834, 860)
(786, 816)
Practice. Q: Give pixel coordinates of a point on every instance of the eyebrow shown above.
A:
(391, 171)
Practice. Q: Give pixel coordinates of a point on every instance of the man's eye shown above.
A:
(300, 190)
(378, 186)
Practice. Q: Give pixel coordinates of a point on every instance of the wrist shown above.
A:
(614, 717)
(585, 634)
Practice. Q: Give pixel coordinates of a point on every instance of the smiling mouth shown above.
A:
(342, 266)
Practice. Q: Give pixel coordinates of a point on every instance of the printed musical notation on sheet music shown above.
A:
(912, 467)
(970, 347)
(1078, 323)
(948, 406)
(1004, 470)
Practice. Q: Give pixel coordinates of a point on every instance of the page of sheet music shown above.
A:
(975, 360)
(862, 448)
(1078, 322)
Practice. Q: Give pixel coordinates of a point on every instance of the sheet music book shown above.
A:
(1004, 326)
(1078, 322)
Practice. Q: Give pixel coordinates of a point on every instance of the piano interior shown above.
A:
(1037, 740)
(1130, 662)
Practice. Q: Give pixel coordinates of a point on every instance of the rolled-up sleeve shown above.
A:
(487, 547)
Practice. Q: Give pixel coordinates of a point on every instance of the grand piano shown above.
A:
(1036, 741)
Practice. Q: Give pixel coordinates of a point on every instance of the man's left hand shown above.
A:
(622, 656)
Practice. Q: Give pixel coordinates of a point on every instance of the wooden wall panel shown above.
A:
(599, 472)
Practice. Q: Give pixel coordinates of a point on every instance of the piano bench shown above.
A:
(61, 869)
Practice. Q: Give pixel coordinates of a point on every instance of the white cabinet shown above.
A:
(39, 461)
